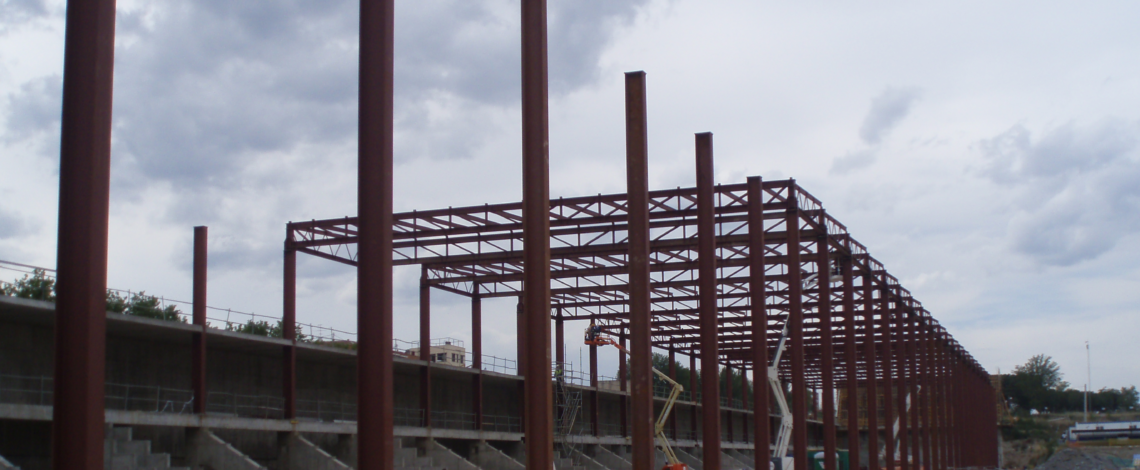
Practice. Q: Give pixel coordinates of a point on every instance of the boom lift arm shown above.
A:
(659, 426)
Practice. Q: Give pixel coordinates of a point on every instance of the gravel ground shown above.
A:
(1078, 459)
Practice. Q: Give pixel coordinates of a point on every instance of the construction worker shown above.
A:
(592, 331)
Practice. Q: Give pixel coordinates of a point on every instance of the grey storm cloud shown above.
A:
(33, 113)
(1077, 184)
(203, 86)
(12, 225)
(888, 109)
(210, 93)
(14, 13)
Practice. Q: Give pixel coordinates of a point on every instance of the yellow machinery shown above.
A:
(659, 426)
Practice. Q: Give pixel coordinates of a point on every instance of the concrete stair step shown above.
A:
(121, 434)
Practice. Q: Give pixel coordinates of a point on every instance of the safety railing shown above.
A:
(26, 390)
(452, 420)
(408, 417)
(324, 410)
(500, 423)
(608, 429)
(734, 403)
(246, 406)
(498, 364)
(148, 398)
(222, 318)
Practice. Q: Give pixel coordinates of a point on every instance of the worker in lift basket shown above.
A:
(592, 331)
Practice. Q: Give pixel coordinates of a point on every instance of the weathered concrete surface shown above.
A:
(609, 459)
(490, 458)
(204, 449)
(297, 453)
(443, 456)
(747, 459)
(688, 459)
(580, 459)
(730, 462)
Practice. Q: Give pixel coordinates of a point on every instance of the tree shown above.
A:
(1046, 370)
(38, 286)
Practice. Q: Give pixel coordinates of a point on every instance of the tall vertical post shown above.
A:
(521, 356)
(84, 200)
(693, 394)
(728, 400)
(374, 257)
(623, 404)
(744, 402)
(796, 331)
(928, 407)
(425, 345)
(536, 236)
(288, 332)
(827, 363)
(869, 353)
(915, 400)
(888, 374)
(758, 316)
(198, 310)
(594, 415)
(559, 341)
(901, 378)
(637, 189)
(477, 355)
(706, 266)
(851, 366)
(673, 375)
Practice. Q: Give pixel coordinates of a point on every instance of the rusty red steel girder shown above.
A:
(374, 236)
(84, 202)
(479, 248)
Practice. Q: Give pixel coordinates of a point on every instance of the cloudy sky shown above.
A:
(988, 153)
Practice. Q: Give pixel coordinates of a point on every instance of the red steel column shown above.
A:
(559, 342)
(477, 355)
(744, 402)
(536, 236)
(84, 200)
(374, 257)
(901, 380)
(673, 375)
(425, 346)
(796, 332)
(915, 400)
(869, 353)
(758, 312)
(931, 395)
(594, 393)
(693, 394)
(637, 189)
(944, 403)
(728, 399)
(520, 355)
(706, 267)
(198, 308)
(823, 268)
(849, 351)
(622, 368)
(888, 376)
(289, 333)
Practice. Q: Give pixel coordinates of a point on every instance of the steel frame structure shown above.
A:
(857, 328)
(726, 267)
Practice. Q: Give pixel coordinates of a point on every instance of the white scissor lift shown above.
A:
(784, 435)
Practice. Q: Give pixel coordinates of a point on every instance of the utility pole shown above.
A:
(1088, 381)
